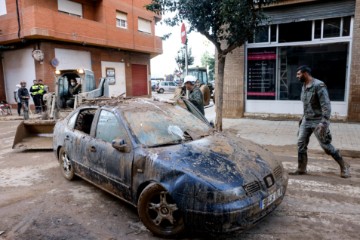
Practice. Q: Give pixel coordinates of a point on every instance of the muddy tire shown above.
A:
(161, 90)
(66, 167)
(159, 213)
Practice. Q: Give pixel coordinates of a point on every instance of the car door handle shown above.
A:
(67, 138)
(92, 149)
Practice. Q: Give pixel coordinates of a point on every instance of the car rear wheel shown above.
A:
(66, 167)
(161, 90)
(159, 213)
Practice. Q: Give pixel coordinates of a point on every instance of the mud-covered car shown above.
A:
(171, 165)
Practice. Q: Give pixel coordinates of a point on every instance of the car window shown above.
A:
(108, 127)
(84, 120)
(72, 121)
(163, 125)
(171, 84)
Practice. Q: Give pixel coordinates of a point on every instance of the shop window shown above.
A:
(295, 32)
(144, 25)
(328, 63)
(3, 7)
(70, 7)
(332, 27)
(261, 74)
(121, 19)
(346, 26)
(261, 35)
(273, 33)
(317, 31)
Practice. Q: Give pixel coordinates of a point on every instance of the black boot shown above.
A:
(344, 166)
(302, 163)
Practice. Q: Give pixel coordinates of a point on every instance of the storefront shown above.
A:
(318, 34)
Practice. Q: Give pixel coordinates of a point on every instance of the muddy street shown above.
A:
(37, 202)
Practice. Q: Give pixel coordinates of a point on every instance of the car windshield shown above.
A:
(165, 125)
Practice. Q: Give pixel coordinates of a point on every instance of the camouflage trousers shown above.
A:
(306, 128)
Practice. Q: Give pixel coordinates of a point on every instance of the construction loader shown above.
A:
(37, 134)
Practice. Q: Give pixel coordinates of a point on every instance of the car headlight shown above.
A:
(231, 195)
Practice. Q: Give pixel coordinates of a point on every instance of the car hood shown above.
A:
(218, 159)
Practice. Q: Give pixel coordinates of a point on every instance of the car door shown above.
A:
(166, 86)
(172, 86)
(77, 134)
(112, 166)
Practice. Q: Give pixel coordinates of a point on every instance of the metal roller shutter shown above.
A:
(310, 11)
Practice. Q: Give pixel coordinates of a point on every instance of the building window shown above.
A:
(295, 32)
(70, 7)
(303, 31)
(121, 19)
(3, 7)
(346, 26)
(332, 27)
(144, 25)
(328, 62)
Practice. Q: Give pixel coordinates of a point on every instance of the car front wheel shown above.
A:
(159, 213)
(66, 167)
(161, 90)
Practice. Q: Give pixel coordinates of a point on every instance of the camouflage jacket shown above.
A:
(316, 102)
(196, 98)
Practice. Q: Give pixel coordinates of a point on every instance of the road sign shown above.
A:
(183, 34)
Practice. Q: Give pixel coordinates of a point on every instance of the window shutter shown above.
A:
(309, 11)
(70, 7)
(144, 25)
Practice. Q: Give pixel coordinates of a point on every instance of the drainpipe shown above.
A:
(18, 17)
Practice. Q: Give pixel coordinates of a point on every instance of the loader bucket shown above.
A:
(36, 134)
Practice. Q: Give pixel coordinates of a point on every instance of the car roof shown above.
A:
(141, 104)
(125, 104)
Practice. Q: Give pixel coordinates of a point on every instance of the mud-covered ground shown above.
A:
(36, 202)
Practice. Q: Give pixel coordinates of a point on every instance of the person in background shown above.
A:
(40, 94)
(195, 95)
(316, 119)
(17, 99)
(35, 96)
(74, 89)
(23, 94)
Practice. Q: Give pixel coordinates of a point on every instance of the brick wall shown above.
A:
(354, 93)
(233, 95)
(40, 19)
(234, 84)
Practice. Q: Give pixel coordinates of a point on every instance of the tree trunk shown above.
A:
(219, 89)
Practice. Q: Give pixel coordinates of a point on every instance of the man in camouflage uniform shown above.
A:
(195, 95)
(317, 110)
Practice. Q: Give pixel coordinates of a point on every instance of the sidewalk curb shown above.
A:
(293, 148)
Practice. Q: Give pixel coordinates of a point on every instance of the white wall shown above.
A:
(18, 66)
(289, 107)
(120, 85)
(3, 7)
(72, 59)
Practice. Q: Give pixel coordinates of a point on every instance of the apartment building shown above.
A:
(260, 77)
(114, 38)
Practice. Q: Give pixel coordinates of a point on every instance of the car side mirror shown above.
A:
(120, 145)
